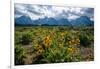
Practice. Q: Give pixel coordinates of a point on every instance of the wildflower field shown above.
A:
(53, 44)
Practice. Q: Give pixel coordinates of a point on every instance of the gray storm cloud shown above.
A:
(41, 11)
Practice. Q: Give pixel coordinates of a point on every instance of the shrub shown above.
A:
(19, 55)
(61, 54)
(26, 39)
(17, 38)
(85, 40)
(53, 55)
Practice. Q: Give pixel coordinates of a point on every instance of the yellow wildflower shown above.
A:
(62, 34)
(47, 41)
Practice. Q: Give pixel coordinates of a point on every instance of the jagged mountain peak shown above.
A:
(81, 21)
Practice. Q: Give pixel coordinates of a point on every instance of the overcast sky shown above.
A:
(42, 11)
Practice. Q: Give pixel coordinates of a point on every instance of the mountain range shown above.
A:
(81, 21)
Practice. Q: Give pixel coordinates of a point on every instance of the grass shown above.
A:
(53, 44)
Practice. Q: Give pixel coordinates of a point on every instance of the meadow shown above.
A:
(53, 44)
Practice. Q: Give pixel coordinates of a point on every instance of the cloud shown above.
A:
(41, 11)
(89, 12)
